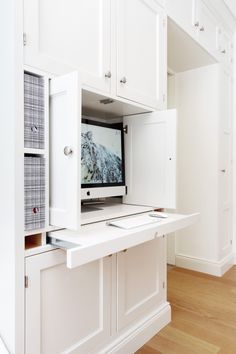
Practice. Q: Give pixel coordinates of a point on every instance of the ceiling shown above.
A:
(232, 6)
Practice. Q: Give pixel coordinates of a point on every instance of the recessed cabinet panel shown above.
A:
(67, 311)
(151, 159)
(207, 26)
(141, 51)
(141, 277)
(65, 118)
(184, 13)
(62, 36)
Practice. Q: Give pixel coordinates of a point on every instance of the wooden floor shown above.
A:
(203, 315)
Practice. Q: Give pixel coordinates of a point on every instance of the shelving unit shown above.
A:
(35, 238)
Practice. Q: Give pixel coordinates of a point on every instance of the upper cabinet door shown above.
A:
(65, 122)
(141, 52)
(62, 36)
(150, 146)
(183, 12)
(207, 25)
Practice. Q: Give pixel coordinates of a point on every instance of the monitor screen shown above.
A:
(102, 154)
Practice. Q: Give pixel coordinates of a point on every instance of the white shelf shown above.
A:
(43, 230)
(37, 250)
(34, 151)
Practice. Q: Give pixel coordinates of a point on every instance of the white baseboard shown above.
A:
(205, 266)
(234, 255)
(133, 339)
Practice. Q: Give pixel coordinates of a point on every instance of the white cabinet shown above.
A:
(62, 36)
(151, 159)
(225, 165)
(67, 311)
(225, 46)
(141, 279)
(141, 52)
(183, 12)
(65, 125)
(118, 47)
(207, 24)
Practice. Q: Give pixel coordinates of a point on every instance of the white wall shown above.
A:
(11, 177)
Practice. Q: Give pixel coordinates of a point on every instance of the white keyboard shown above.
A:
(135, 221)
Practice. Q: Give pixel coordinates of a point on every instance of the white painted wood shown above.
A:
(225, 165)
(62, 38)
(208, 26)
(151, 159)
(99, 240)
(204, 131)
(12, 178)
(225, 46)
(67, 310)
(141, 281)
(180, 43)
(141, 52)
(183, 12)
(65, 119)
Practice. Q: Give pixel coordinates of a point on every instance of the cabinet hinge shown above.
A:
(125, 129)
(126, 190)
(163, 285)
(24, 39)
(26, 281)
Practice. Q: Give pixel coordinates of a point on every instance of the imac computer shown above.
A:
(102, 160)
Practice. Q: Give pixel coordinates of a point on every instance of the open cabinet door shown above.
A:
(150, 159)
(65, 122)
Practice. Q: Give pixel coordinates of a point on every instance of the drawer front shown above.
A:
(34, 192)
(34, 209)
(34, 111)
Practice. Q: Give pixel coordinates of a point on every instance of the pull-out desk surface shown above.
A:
(97, 240)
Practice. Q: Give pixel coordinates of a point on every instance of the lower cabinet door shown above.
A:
(141, 279)
(67, 310)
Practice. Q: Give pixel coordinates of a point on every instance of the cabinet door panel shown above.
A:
(208, 27)
(141, 51)
(140, 281)
(63, 36)
(65, 118)
(184, 13)
(151, 159)
(67, 311)
(225, 170)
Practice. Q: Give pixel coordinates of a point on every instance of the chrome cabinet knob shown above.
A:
(68, 151)
(108, 74)
(196, 24)
(202, 29)
(123, 80)
(223, 170)
(223, 51)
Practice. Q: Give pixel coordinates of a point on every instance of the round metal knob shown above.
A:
(108, 74)
(202, 29)
(34, 128)
(223, 171)
(223, 51)
(68, 151)
(196, 24)
(123, 80)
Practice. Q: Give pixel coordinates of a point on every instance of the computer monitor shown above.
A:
(102, 160)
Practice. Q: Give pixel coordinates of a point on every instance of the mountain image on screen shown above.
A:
(98, 163)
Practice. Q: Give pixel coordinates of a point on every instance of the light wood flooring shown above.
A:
(203, 315)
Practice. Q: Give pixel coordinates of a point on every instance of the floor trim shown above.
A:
(206, 266)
